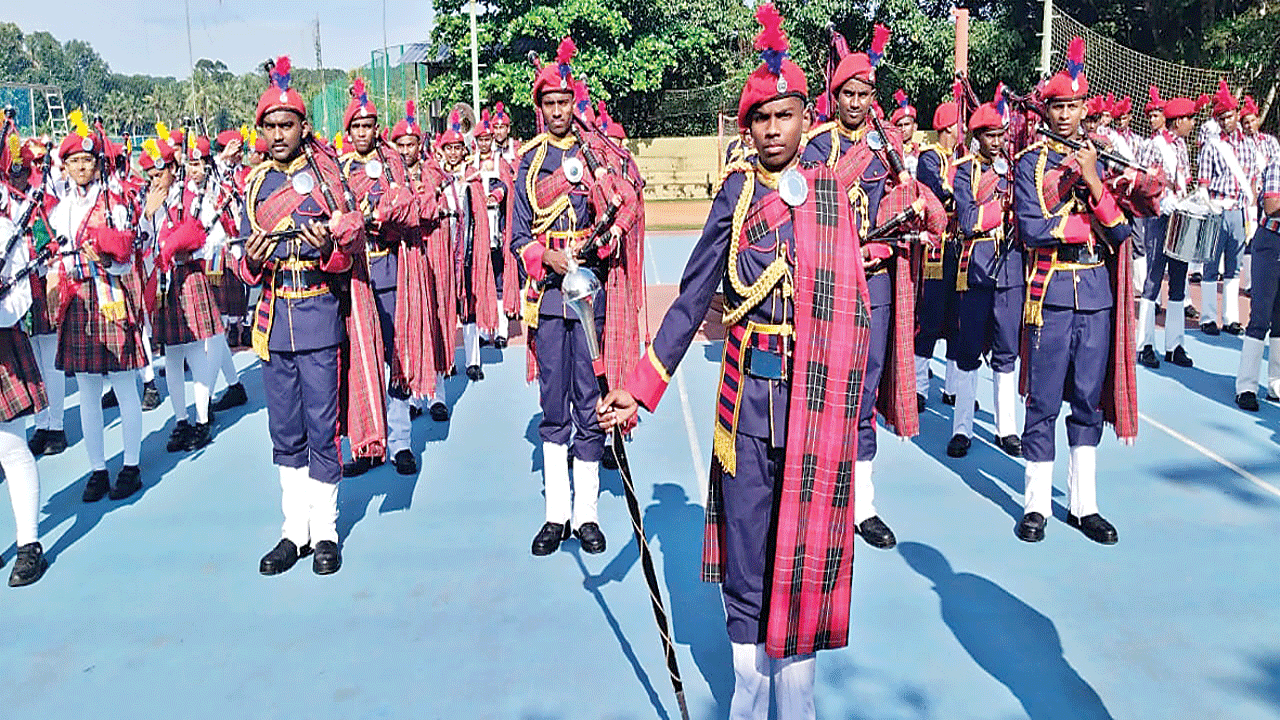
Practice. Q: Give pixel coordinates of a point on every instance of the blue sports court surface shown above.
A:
(153, 607)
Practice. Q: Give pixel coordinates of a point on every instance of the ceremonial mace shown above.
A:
(579, 289)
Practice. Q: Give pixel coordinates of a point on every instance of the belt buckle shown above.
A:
(764, 364)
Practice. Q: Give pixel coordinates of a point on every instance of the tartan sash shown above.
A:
(109, 288)
(1043, 260)
(275, 212)
(362, 385)
(988, 185)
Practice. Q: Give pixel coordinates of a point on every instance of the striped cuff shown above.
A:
(648, 381)
(1106, 210)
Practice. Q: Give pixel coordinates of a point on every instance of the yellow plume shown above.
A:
(162, 131)
(78, 125)
(15, 150)
(191, 142)
(244, 133)
(152, 149)
(253, 137)
(337, 140)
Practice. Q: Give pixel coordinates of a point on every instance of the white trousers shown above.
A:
(922, 376)
(310, 507)
(399, 427)
(471, 344)
(45, 348)
(148, 373)
(753, 673)
(1082, 497)
(864, 492)
(220, 358)
(196, 355)
(1005, 391)
(23, 479)
(584, 490)
(126, 386)
(966, 386)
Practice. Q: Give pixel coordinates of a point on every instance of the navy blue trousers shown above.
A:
(386, 302)
(1067, 360)
(301, 389)
(568, 388)
(747, 499)
(881, 287)
(936, 308)
(990, 318)
(1158, 263)
(1264, 297)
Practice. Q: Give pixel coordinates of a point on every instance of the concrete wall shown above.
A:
(677, 168)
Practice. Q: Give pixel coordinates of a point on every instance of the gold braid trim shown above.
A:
(542, 217)
(756, 292)
(741, 166)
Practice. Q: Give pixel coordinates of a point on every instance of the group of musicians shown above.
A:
(844, 248)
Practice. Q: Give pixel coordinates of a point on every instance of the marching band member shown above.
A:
(936, 306)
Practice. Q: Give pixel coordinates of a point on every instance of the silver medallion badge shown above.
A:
(284, 97)
(86, 145)
(573, 170)
(373, 169)
(792, 187)
(782, 85)
(303, 183)
(874, 141)
(1000, 165)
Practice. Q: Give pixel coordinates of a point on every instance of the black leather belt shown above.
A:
(1082, 254)
(764, 364)
(300, 280)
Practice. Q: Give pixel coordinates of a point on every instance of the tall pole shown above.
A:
(191, 58)
(475, 65)
(324, 90)
(962, 65)
(386, 58)
(1046, 38)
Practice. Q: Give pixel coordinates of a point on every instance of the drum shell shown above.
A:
(1193, 238)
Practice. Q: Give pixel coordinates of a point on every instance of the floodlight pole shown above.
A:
(475, 63)
(1046, 38)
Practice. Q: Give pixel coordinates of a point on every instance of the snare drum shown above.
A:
(1193, 237)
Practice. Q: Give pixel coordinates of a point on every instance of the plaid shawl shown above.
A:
(442, 308)
(482, 301)
(1120, 389)
(510, 273)
(414, 366)
(812, 568)
(362, 410)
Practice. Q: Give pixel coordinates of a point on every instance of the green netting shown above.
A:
(388, 83)
(21, 99)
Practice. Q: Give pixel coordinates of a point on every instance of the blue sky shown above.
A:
(150, 37)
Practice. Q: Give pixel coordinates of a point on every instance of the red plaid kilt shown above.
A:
(188, 312)
(42, 316)
(21, 389)
(230, 293)
(91, 343)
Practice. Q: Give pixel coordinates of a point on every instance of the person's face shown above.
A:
(80, 168)
(907, 126)
(1105, 120)
(776, 127)
(196, 169)
(501, 131)
(1091, 124)
(990, 141)
(1122, 122)
(1156, 119)
(1065, 116)
(1249, 124)
(283, 130)
(557, 111)
(947, 136)
(484, 143)
(1229, 121)
(410, 148)
(1183, 126)
(853, 102)
(453, 153)
(364, 133)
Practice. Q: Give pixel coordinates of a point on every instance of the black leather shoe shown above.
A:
(98, 486)
(282, 557)
(1247, 401)
(39, 440)
(500, 343)
(485, 342)
(328, 558)
(921, 402)
(876, 533)
(549, 538)
(406, 463)
(1190, 311)
(200, 435)
(109, 400)
(150, 396)
(233, 396)
(948, 399)
(1147, 357)
(55, 442)
(360, 466)
(439, 412)
(179, 437)
(1010, 444)
(1031, 527)
(1178, 357)
(591, 538)
(415, 412)
(1095, 527)
(30, 565)
(475, 373)
(1272, 397)
(1210, 328)
(1194, 277)
(128, 482)
(959, 446)
(1233, 329)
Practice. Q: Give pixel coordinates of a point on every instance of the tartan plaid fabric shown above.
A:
(478, 297)
(362, 385)
(21, 389)
(510, 275)
(88, 342)
(441, 294)
(809, 590)
(548, 188)
(1271, 178)
(988, 184)
(188, 311)
(1120, 389)
(1215, 170)
(42, 313)
(414, 366)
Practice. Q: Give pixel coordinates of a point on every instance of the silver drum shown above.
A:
(1193, 237)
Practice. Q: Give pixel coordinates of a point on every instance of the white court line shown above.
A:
(695, 448)
(1263, 484)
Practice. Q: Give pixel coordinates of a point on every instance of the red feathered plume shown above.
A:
(1224, 92)
(900, 97)
(357, 87)
(410, 110)
(566, 51)
(1154, 93)
(879, 39)
(484, 117)
(283, 66)
(1075, 57)
(771, 35)
(1202, 102)
(499, 108)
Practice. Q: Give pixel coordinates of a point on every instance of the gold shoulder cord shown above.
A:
(542, 217)
(754, 293)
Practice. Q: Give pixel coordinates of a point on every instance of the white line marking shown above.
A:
(1263, 484)
(695, 448)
